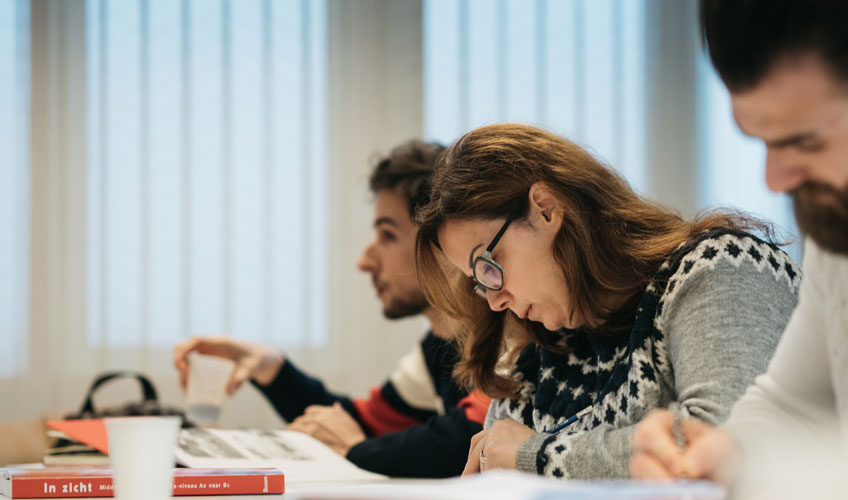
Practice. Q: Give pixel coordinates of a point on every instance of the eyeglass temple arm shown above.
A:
(497, 237)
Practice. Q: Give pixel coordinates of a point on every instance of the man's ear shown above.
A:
(544, 205)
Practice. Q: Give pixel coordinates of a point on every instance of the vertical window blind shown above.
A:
(14, 186)
(573, 67)
(206, 171)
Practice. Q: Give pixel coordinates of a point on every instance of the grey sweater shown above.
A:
(706, 325)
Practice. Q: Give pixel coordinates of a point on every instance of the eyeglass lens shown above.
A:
(488, 274)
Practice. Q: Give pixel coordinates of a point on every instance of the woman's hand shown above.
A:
(331, 425)
(496, 447)
(252, 360)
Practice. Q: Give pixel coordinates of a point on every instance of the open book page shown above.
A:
(513, 485)
(302, 458)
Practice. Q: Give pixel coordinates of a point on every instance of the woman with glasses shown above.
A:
(601, 304)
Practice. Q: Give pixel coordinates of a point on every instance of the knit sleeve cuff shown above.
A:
(526, 460)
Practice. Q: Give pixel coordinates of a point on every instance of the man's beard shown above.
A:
(405, 307)
(821, 212)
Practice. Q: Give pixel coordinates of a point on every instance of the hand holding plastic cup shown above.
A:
(141, 451)
(207, 387)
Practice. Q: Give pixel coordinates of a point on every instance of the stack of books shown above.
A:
(77, 466)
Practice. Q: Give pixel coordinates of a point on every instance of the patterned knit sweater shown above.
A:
(707, 324)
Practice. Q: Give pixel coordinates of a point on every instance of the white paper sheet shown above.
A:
(511, 485)
(302, 458)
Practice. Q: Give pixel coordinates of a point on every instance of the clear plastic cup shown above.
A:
(141, 451)
(207, 387)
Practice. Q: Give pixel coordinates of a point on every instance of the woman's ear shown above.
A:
(544, 205)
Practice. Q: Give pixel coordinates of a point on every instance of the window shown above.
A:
(575, 68)
(206, 171)
(14, 186)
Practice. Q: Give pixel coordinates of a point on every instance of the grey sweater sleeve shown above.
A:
(721, 324)
(721, 331)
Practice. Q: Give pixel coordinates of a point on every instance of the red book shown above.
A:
(74, 483)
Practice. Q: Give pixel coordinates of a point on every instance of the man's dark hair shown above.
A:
(745, 38)
(407, 170)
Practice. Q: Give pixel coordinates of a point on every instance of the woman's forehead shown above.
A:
(458, 238)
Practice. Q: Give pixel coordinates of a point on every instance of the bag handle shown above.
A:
(147, 390)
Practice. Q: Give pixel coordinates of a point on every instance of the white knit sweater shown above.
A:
(802, 400)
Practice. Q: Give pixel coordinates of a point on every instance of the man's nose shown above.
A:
(781, 174)
(367, 261)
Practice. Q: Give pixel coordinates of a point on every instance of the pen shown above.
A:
(571, 420)
(677, 425)
(677, 432)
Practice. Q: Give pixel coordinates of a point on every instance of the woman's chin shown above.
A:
(552, 326)
(567, 324)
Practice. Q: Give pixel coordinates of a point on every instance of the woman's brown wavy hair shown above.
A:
(611, 243)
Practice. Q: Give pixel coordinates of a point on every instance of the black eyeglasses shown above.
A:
(486, 273)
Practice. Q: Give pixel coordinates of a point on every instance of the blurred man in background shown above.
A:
(419, 423)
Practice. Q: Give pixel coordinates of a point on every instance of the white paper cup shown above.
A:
(141, 450)
(207, 387)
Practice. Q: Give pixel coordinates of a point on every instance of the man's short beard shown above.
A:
(403, 308)
(821, 212)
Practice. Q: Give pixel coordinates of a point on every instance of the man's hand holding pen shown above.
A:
(694, 451)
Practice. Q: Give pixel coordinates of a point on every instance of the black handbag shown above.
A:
(148, 406)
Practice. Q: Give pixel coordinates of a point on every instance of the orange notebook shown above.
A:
(91, 432)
